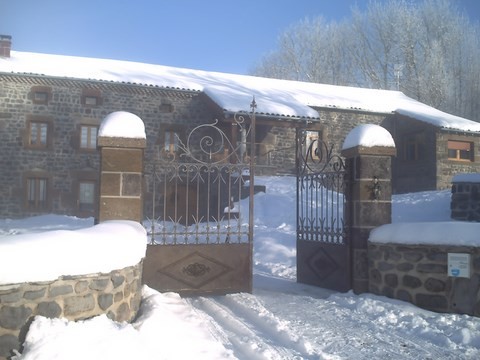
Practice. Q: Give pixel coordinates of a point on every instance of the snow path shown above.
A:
(306, 322)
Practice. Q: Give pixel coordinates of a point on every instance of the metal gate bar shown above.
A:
(323, 249)
(201, 223)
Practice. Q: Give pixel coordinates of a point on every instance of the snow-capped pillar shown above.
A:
(121, 140)
(368, 151)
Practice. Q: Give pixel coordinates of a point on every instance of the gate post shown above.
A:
(368, 192)
(121, 140)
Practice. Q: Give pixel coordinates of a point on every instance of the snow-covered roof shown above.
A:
(234, 93)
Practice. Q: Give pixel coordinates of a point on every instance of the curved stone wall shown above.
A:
(418, 274)
(116, 294)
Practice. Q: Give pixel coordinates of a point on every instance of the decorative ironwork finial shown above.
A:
(253, 104)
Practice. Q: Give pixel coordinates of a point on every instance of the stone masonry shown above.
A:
(116, 294)
(418, 274)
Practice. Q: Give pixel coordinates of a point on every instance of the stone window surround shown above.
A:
(76, 134)
(178, 130)
(37, 174)
(27, 132)
(40, 95)
(84, 176)
(91, 97)
(90, 147)
(457, 144)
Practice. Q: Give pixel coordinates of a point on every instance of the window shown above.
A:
(40, 97)
(36, 193)
(91, 100)
(414, 147)
(166, 108)
(38, 133)
(86, 195)
(312, 139)
(460, 150)
(171, 141)
(91, 97)
(88, 137)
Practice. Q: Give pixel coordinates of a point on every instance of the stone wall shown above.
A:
(465, 204)
(418, 274)
(63, 162)
(116, 294)
(447, 168)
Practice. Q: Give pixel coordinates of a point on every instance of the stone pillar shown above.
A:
(368, 202)
(121, 178)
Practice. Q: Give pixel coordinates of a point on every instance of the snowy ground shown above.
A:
(280, 320)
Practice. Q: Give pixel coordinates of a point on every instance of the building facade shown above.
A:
(48, 129)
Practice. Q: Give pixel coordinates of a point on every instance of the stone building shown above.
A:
(51, 107)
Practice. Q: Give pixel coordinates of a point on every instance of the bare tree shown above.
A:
(428, 50)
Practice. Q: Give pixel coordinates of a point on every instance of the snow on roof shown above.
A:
(234, 93)
(466, 178)
(122, 124)
(368, 135)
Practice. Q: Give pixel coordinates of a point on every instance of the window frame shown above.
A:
(459, 146)
(91, 94)
(88, 209)
(45, 90)
(90, 146)
(414, 145)
(177, 133)
(40, 195)
(34, 136)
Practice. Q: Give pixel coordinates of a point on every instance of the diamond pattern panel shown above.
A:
(196, 270)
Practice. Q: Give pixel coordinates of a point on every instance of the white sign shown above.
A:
(459, 265)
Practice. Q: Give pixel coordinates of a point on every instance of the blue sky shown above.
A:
(214, 35)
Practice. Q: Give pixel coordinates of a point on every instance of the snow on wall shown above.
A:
(48, 255)
(435, 233)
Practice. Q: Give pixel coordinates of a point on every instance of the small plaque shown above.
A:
(459, 265)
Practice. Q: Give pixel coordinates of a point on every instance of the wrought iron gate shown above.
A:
(323, 248)
(201, 214)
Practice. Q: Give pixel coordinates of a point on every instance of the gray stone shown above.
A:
(391, 280)
(76, 305)
(385, 266)
(11, 297)
(7, 344)
(118, 297)
(404, 267)
(99, 284)
(413, 256)
(105, 301)
(81, 286)
(34, 294)
(404, 296)
(123, 313)
(388, 292)
(434, 285)
(411, 281)
(117, 280)
(431, 302)
(14, 317)
(60, 290)
(432, 268)
(391, 255)
(49, 309)
(437, 256)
